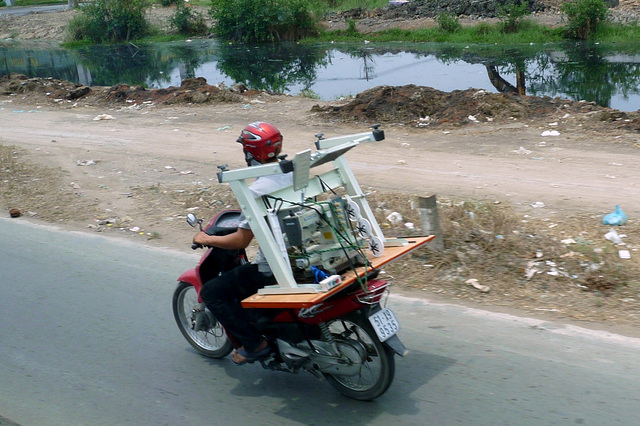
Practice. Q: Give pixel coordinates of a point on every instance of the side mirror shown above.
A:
(192, 220)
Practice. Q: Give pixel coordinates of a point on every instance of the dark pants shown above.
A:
(223, 295)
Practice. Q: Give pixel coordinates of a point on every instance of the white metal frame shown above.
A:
(304, 186)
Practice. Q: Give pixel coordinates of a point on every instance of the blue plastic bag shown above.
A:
(616, 218)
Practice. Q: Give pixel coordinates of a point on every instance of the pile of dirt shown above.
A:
(194, 91)
(420, 106)
(410, 105)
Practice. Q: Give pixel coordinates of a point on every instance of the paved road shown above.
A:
(88, 338)
(24, 10)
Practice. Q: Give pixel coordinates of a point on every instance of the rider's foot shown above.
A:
(242, 356)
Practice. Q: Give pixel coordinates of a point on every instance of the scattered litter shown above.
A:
(425, 118)
(394, 218)
(257, 101)
(624, 254)
(475, 284)
(223, 128)
(14, 213)
(568, 241)
(134, 229)
(550, 133)
(547, 309)
(409, 225)
(402, 162)
(103, 117)
(472, 118)
(187, 172)
(555, 123)
(86, 162)
(613, 236)
(618, 217)
(537, 205)
(522, 151)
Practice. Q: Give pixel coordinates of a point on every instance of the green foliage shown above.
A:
(482, 29)
(110, 21)
(448, 22)
(511, 15)
(351, 27)
(188, 22)
(249, 21)
(481, 33)
(584, 17)
(170, 2)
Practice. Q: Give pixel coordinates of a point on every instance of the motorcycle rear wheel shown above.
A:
(378, 366)
(211, 340)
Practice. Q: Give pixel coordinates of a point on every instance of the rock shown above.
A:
(14, 213)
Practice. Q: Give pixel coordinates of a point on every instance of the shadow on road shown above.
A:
(305, 399)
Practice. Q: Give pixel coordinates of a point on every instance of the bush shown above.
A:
(188, 22)
(170, 2)
(448, 22)
(511, 15)
(248, 21)
(110, 21)
(584, 17)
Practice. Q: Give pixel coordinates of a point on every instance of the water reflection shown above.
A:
(608, 75)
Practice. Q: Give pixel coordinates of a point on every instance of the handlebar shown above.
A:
(195, 246)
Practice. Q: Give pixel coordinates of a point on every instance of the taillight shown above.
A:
(376, 289)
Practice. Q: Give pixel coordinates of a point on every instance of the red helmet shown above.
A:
(260, 141)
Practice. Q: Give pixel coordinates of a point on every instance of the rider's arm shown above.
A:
(235, 241)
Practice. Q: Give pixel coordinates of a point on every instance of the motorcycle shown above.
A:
(348, 338)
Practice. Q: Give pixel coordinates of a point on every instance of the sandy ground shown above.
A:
(136, 174)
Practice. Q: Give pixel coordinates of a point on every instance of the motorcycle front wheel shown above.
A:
(200, 328)
(377, 363)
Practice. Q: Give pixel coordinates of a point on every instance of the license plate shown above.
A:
(384, 323)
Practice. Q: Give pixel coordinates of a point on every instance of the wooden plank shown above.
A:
(307, 300)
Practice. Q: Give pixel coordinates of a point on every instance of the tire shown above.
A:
(211, 340)
(378, 367)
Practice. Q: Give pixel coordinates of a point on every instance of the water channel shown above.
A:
(606, 74)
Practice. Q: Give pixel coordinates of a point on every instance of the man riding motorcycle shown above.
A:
(261, 142)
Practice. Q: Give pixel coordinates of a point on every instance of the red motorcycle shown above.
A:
(343, 335)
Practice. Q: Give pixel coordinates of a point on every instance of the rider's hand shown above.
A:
(201, 238)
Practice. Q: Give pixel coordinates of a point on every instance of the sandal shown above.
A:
(250, 357)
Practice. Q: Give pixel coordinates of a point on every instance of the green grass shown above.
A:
(483, 33)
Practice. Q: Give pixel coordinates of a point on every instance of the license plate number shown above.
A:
(384, 323)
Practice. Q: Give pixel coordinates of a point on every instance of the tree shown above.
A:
(73, 4)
